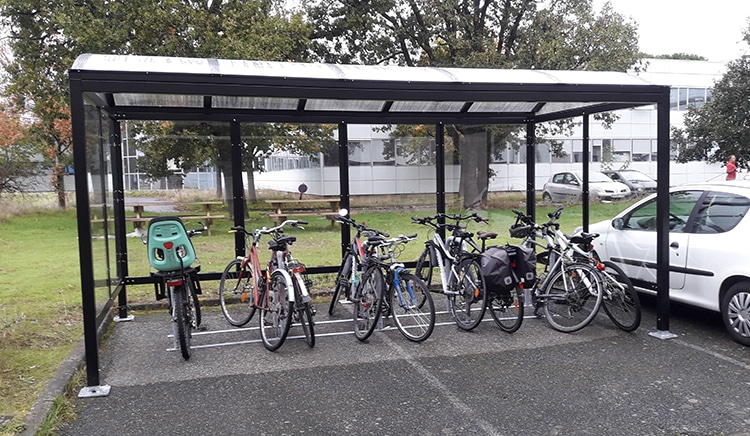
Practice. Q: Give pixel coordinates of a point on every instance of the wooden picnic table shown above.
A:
(284, 208)
(139, 208)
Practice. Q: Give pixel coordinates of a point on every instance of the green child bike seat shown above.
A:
(169, 246)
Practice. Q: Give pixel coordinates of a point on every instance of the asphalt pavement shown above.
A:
(537, 381)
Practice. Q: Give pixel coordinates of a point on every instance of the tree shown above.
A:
(46, 37)
(165, 142)
(560, 34)
(17, 163)
(721, 127)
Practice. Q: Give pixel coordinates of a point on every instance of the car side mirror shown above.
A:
(574, 182)
(618, 223)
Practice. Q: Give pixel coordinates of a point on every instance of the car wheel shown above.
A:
(546, 198)
(735, 311)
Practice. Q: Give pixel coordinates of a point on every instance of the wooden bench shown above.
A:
(302, 208)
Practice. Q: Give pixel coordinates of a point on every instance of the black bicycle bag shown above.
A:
(524, 265)
(496, 269)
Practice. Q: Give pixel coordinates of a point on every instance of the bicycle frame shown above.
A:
(447, 261)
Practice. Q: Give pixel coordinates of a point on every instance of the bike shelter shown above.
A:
(106, 90)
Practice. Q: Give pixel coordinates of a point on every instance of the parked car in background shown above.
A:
(708, 248)
(638, 182)
(567, 187)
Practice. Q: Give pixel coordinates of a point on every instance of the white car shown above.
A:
(709, 258)
(567, 187)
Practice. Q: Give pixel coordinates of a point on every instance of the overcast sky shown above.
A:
(712, 29)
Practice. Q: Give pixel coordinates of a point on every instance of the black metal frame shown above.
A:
(98, 87)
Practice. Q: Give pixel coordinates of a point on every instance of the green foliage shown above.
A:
(46, 37)
(559, 35)
(721, 127)
(678, 56)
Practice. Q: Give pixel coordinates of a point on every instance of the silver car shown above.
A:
(708, 255)
(638, 182)
(567, 187)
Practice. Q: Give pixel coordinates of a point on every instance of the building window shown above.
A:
(682, 98)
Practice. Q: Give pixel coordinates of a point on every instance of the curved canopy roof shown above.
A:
(171, 88)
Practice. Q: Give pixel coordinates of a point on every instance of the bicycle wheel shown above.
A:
(619, 298)
(236, 293)
(303, 313)
(572, 297)
(413, 320)
(181, 320)
(368, 302)
(276, 313)
(507, 310)
(425, 270)
(343, 285)
(195, 307)
(468, 304)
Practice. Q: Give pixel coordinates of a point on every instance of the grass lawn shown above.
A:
(40, 300)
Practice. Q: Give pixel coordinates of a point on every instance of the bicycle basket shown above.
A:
(169, 246)
(520, 231)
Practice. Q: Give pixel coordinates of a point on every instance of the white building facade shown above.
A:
(379, 163)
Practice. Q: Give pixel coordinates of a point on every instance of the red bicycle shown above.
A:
(245, 286)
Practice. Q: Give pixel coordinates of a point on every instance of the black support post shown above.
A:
(85, 248)
(586, 169)
(440, 173)
(118, 196)
(662, 218)
(344, 182)
(531, 169)
(238, 187)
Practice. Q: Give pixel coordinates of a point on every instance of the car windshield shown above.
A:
(595, 177)
(635, 176)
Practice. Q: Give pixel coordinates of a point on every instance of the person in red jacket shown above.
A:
(731, 168)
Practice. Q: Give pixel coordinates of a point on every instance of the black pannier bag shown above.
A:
(524, 265)
(496, 270)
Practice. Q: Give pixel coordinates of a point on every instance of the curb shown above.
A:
(36, 416)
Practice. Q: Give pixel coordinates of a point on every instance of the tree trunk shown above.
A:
(474, 169)
(218, 179)
(252, 196)
(58, 183)
(224, 168)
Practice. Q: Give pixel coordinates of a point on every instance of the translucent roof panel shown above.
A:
(427, 106)
(228, 102)
(158, 100)
(502, 106)
(344, 105)
(559, 107)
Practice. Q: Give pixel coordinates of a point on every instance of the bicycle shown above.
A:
(458, 269)
(620, 299)
(407, 298)
(568, 283)
(172, 255)
(350, 271)
(245, 287)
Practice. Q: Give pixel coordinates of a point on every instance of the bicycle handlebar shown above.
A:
(430, 220)
(361, 228)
